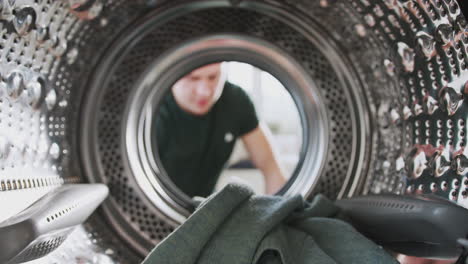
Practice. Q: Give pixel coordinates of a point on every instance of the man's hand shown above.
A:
(257, 143)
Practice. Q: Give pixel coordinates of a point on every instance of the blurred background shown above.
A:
(276, 109)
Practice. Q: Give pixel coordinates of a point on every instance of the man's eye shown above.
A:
(194, 79)
(211, 78)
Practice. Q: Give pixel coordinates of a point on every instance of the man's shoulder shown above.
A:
(240, 108)
(234, 93)
(167, 109)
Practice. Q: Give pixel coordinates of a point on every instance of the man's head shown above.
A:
(199, 90)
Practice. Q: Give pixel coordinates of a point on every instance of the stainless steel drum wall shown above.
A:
(410, 59)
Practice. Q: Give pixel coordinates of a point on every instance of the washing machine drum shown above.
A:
(380, 88)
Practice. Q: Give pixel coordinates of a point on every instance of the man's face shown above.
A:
(199, 90)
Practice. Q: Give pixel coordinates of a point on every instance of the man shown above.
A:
(197, 126)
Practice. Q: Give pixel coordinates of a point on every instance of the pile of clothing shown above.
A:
(234, 226)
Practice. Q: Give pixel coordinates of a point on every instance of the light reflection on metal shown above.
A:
(407, 56)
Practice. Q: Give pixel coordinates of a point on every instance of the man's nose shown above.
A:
(203, 89)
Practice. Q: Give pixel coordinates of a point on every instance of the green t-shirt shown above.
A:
(194, 149)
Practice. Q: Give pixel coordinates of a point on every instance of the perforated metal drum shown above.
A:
(381, 86)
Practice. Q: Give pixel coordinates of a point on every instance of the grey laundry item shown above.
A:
(234, 226)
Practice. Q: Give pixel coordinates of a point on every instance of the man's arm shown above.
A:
(261, 152)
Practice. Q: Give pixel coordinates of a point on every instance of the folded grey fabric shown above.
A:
(234, 226)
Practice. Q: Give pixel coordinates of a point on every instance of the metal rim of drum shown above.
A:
(341, 69)
(144, 102)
